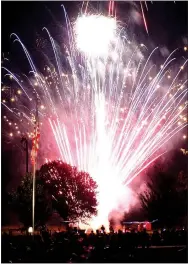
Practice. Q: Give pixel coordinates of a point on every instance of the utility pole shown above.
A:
(24, 143)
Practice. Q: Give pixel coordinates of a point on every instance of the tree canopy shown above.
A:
(73, 191)
(20, 201)
(165, 196)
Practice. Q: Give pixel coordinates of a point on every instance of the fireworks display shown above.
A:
(111, 111)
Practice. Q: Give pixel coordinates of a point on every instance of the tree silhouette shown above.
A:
(20, 201)
(165, 196)
(73, 191)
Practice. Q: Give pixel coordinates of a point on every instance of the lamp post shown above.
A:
(35, 148)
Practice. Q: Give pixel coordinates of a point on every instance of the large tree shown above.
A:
(73, 191)
(165, 196)
(20, 201)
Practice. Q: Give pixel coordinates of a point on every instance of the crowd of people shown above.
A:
(77, 246)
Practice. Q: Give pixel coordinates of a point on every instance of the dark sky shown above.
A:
(167, 23)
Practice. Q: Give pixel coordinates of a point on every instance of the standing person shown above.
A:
(103, 229)
(144, 239)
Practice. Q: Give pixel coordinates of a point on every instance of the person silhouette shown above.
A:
(102, 228)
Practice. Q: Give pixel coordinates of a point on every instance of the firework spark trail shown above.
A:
(144, 19)
(108, 116)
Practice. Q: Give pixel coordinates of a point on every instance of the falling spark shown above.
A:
(144, 19)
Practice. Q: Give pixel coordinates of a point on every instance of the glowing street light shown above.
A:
(30, 230)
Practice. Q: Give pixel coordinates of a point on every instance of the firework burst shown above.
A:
(112, 113)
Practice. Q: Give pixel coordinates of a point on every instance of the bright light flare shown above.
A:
(95, 33)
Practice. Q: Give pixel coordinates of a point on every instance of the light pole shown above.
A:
(35, 149)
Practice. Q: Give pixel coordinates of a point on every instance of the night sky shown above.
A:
(167, 23)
